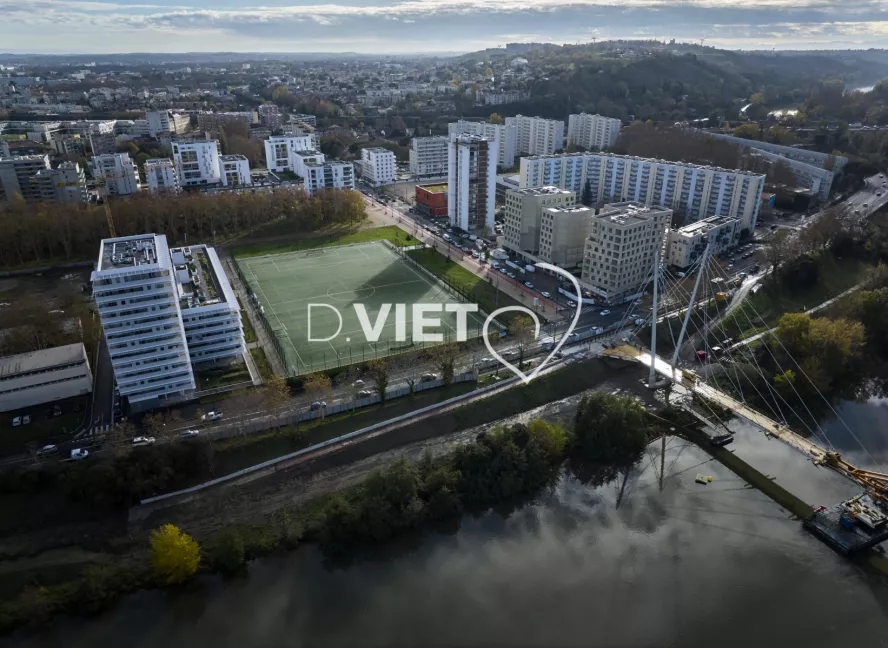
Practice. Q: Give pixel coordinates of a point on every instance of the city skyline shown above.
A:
(366, 26)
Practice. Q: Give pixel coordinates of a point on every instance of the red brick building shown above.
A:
(431, 200)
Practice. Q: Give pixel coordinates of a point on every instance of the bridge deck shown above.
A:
(689, 380)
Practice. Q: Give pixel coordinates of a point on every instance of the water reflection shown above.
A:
(686, 566)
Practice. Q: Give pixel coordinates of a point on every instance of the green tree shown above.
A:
(610, 430)
(175, 556)
(747, 131)
(496, 118)
(586, 196)
(225, 550)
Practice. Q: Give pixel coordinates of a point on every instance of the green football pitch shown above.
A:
(371, 274)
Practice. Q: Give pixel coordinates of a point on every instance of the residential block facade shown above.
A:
(685, 245)
(117, 172)
(523, 215)
(537, 136)
(691, 191)
(593, 132)
(428, 156)
(378, 165)
(471, 182)
(621, 248)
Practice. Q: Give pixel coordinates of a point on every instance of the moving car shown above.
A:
(140, 441)
(21, 420)
(187, 434)
(79, 454)
(48, 450)
(571, 303)
(318, 405)
(358, 383)
(211, 416)
(364, 393)
(426, 377)
(605, 312)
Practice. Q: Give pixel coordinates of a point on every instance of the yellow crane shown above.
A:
(876, 483)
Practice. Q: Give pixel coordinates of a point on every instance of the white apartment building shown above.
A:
(301, 159)
(155, 304)
(378, 166)
(593, 132)
(197, 163)
(471, 182)
(161, 176)
(685, 245)
(563, 234)
(505, 136)
(235, 170)
(280, 151)
(523, 216)
(66, 184)
(45, 376)
(166, 121)
(308, 120)
(327, 175)
(691, 191)
(812, 170)
(117, 172)
(537, 136)
(428, 156)
(210, 311)
(621, 249)
(136, 293)
(17, 173)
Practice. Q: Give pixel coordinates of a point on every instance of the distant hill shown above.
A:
(649, 80)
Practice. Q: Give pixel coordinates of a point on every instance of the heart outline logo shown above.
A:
(506, 309)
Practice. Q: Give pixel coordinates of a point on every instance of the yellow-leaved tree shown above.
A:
(175, 555)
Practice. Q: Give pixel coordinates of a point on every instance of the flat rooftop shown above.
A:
(22, 363)
(635, 158)
(629, 213)
(233, 158)
(547, 190)
(200, 281)
(705, 225)
(434, 188)
(129, 251)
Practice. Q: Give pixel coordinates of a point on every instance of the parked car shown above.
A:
(140, 441)
(730, 266)
(426, 377)
(528, 284)
(571, 303)
(21, 420)
(48, 450)
(364, 393)
(546, 294)
(639, 321)
(211, 416)
(79, 454)
(358, 383)
(187, 434)
(318, 405)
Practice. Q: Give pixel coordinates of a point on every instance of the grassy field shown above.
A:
(310, 299)
(476, 288)
(773, 301)
(262, 364)
(221, 376)
(392, 234)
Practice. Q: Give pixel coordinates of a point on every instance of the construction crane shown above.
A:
(876, 483)
(103, 196)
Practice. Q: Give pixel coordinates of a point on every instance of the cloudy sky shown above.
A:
(75, 26)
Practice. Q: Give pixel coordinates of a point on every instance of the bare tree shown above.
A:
(120, 438)
(379, 371)
(780, 248)
(521, 331)
(444, 358)
(276, 393)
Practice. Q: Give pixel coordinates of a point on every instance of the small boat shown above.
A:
(722, 439)
(703, 479)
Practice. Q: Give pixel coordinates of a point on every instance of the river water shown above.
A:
(619, 565)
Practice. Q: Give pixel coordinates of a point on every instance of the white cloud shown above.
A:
(69, 25)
